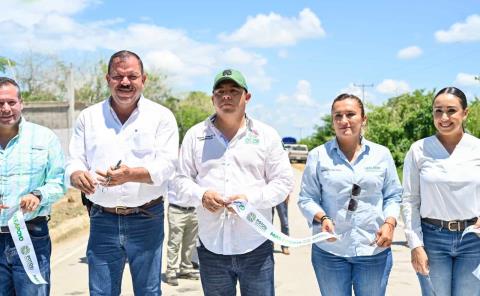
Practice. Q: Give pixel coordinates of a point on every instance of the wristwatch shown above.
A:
(37, 193)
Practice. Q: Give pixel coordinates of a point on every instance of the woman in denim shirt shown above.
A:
(350, 187)
(441, 198)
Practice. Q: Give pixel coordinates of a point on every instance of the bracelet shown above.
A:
(391, 224)
(324, 218)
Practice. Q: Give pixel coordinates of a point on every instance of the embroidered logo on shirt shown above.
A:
(375, 168)
(252, 138)
(207, 137)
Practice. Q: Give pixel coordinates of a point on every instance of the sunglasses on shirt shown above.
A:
(353, 203)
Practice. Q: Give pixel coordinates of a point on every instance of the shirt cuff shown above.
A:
(414, 239)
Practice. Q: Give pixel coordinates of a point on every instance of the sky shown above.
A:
(297, 56)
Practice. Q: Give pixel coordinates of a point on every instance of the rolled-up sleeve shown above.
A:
(411, 201)
(392, 190)
(310, 196)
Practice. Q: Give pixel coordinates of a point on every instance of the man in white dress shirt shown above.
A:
(122, 153)
(227, 157)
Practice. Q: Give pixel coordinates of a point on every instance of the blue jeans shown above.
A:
(282, 210)
(451, 262)
(336, 275)
(114, 239)
(254, 271)
(13, 278)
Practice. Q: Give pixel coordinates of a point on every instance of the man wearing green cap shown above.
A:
(227, 157)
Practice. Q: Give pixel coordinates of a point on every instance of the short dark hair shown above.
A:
(453, 91)
(123, 54)
(9, 81)
(345, 96)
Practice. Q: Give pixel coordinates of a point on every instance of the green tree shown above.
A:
(395, 124)
(192, 109)
(473, 119)
(322, 134)
(4, 63)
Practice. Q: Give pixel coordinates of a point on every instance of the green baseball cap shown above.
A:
(230, 74)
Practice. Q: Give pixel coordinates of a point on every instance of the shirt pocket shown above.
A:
(37, 159)
(143, 144)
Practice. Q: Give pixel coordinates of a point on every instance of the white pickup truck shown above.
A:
(297, 152)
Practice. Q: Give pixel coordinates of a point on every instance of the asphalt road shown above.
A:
(293, 274)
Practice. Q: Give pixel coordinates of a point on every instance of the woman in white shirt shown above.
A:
(441, 198)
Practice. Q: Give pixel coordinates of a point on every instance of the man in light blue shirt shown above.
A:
(31, 178)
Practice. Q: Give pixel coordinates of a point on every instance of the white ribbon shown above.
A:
(473, 229)
(24, 246)
(256, 220)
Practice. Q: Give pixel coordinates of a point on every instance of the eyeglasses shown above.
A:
(353, 203)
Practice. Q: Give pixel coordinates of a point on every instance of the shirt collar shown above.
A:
(363, 143)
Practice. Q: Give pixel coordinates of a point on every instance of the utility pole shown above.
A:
(362, 86)
(71, 100)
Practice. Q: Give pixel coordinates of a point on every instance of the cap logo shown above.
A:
(227, 73)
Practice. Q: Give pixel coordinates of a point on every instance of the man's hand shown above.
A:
(232, 198)
(120, 175)
(83, 181)
(384, 235)
(212, 201)
(29, 203)
(420, 261)
(115, 176)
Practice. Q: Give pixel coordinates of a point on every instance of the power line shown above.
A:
(362, 86)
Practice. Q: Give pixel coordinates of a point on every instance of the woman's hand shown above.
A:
(384, 235)
(327, 226)
(420, 261)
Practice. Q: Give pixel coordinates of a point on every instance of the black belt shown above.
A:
(454, 225)
(124, 211)
(30, 224)
(182, 208)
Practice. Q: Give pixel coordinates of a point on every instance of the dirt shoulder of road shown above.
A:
(68, 217)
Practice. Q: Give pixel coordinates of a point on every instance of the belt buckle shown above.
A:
(120, 210)
(451, 223)
(4, 229)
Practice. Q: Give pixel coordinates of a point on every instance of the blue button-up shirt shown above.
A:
(32, 160)
(327, 185)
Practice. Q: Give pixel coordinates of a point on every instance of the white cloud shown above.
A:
(50, 26)
(468, 31)
(393, 87)
(466, 80)
(410, 52)
(301, 97)
(275, 30)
